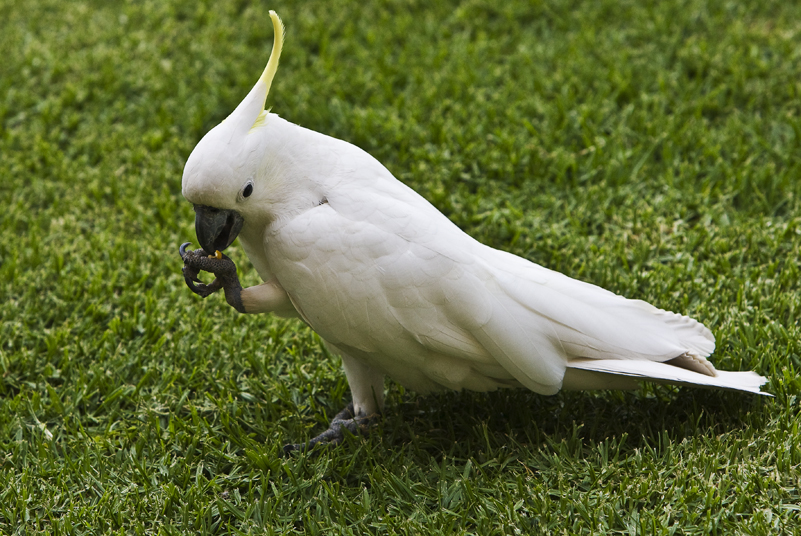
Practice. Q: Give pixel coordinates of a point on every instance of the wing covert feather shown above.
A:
(378, 270)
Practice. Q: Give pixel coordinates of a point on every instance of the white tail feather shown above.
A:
(656, 372)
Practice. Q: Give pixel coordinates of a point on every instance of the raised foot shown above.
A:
(221, 266)
(344, 420)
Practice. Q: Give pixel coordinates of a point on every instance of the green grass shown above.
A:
(648, 147)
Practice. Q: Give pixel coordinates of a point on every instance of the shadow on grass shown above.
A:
(466, 424)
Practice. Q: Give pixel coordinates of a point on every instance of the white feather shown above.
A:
(665, 373)
(396, 288)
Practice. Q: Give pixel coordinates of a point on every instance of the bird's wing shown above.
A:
(364, 272)
(594, 322)
(381, 272)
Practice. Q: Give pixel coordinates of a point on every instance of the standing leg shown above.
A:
(367, 391)
(366, 386)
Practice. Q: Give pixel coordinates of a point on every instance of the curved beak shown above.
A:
(215, 228)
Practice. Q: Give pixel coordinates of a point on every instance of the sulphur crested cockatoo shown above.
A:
(396, 289)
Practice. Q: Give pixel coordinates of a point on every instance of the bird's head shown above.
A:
(220, 175)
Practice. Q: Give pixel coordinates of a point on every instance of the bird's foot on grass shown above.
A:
(344, 420)
(221, 266)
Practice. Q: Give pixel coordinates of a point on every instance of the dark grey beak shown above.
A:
(215, 228)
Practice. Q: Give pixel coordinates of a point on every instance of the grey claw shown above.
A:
(203, 290)
(344, 420)
(221, 266)
(191, 284)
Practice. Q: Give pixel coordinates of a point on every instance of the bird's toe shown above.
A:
(335, 434)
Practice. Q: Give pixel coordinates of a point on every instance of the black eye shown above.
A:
(247, 191)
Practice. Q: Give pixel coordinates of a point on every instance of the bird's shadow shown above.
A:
(470, 424)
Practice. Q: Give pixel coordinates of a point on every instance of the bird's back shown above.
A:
(379, 272)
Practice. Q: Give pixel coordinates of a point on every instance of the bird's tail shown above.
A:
(620, 374)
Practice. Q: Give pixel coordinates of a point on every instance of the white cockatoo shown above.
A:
(396, 289)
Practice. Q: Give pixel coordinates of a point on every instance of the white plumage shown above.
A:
(396, 289)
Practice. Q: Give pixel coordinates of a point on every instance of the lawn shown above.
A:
(652, 148)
